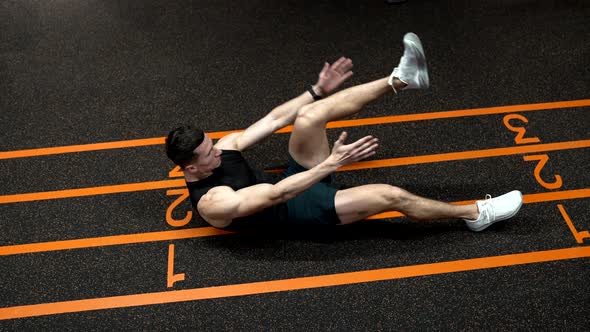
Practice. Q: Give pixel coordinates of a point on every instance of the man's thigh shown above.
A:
(357, 203)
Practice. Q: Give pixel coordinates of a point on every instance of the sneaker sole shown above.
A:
(478, 229)
(412, 40)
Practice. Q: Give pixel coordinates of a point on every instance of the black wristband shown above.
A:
(313, 94)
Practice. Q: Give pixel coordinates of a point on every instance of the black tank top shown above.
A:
(235, 172)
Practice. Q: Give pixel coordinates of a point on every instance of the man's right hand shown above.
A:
(344, 154)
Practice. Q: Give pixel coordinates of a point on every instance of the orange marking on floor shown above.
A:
(210, 231)
(293, 284)
(433, 158)
(103, 190)
(81, 148)
(172, 277)
(183, 192)
(519, 139)
(113, 240)
(579, 236)
(527, 199)
(542, 161)
(334, 124)
(556, 196)
(463, 155)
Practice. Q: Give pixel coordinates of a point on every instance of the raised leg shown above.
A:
(358, 203)
(308, 144)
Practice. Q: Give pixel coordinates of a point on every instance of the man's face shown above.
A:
(209, 157)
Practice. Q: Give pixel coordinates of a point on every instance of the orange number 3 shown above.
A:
(519, 130)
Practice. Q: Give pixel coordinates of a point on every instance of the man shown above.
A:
(225, 190)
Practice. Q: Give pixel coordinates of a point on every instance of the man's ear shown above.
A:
(189, 168)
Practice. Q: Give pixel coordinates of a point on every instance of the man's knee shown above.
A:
(310, 114)
(395, 196)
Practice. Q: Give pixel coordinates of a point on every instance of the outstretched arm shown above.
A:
(329, 79)
(222, 204)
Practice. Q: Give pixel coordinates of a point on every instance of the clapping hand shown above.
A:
(344, 154)
(332, 76)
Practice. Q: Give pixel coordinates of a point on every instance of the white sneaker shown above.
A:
(495, 209)
(412, 68)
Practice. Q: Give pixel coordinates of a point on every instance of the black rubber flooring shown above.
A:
(87, 72)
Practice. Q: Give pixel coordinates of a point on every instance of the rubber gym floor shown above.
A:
(96, 232)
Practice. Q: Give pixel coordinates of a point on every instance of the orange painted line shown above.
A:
(464, 155)
(556, 196)
(81, 148)
(526, 199)
(454, 114)
(433, 158)
(211, 231)
(113, 240)
(334, 124)
(293, 284)
(80, 192)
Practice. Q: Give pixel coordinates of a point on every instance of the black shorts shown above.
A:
(315, 206)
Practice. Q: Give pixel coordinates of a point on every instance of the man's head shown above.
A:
(192, 150)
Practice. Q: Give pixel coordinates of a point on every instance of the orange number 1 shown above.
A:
(172, 278)
(579, 236)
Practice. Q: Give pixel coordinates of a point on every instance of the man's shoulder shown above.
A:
(220, 190)
(228, 142)
(217, 206)
(215, 195)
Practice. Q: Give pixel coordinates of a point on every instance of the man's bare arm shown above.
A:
(329, 79)
(222, 204)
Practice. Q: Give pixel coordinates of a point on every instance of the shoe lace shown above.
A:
(487, 209)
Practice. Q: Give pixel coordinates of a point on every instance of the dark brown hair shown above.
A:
(181, 142)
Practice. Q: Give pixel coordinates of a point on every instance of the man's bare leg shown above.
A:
(308, 144)
(358, 203)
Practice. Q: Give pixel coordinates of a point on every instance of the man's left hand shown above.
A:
(332, 76)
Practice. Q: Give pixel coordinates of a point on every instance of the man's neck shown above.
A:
(195, 177)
